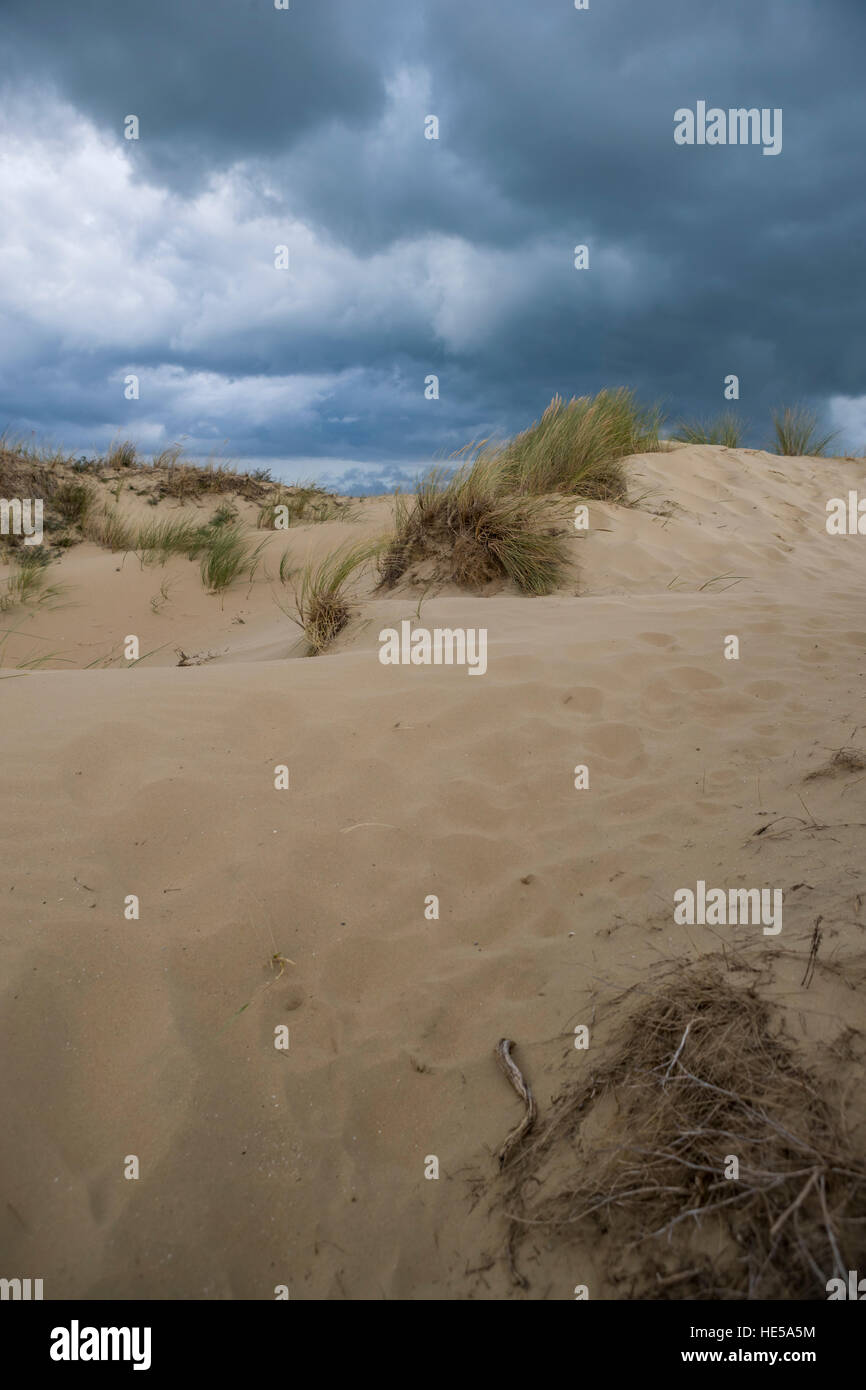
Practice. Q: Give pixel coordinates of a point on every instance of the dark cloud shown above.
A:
(210, 80)
(413, 256)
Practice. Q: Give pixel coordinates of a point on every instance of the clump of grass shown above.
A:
(109, 529)
(187, 480)
(228, 554)
(303, 504)
(19, 453)
(122, 455)
(577, 446)
(321, 600)
(474, 534)
(636, 1154)
(168, 457)
(32, 557)
(27, 585)
(73, 500)
(726, 429)
(158, 540)
(795, 429)
(224, 515)
(21, 475)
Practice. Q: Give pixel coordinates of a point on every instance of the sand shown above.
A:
(154, 1037)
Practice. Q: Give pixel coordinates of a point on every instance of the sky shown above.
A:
(410, 257)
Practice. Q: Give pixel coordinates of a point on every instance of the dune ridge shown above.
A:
(155, 1037)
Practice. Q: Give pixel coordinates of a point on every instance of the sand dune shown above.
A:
(155, 1037)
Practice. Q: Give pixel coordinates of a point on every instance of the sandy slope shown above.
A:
(155, 1038)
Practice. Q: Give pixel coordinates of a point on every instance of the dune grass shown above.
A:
(474, 533)
(303, 503)
(109, 529)
(185, 481)
(27, 586)
(168, 457)
(158, 540)
(122, 455)
(73, 499)
(796, 433)
(225, 514)
(321, 599)
(577, 446)
(726, 429)
(228, 554)
(496, 517)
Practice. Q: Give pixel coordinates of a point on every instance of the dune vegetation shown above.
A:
(726, 430)
(496, 512)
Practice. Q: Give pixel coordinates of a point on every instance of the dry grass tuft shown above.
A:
(185, 481)
(122, 455)
(634, 1158)
(321, 598)
(304, 504)
(21, 473)
(494, 518)
(474, 533)
(73, 499)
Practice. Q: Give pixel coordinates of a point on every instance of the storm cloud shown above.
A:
(411, 257)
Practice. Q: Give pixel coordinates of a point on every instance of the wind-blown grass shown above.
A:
(221, 543)
(577, 446)
(122, 455)
(168, 457)
(109, 529)
(795, 429)
(475, 534)
(158, 540)
(73, 499)
(188, 480)
(321, 600)
(228, 554)
(304, 504)
(27, 584)
(726, 429)
(496, 516)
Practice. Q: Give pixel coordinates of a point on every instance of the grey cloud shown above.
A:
(454, 256)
